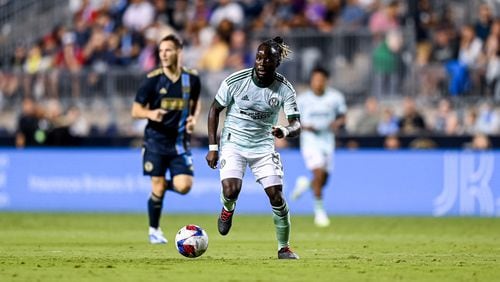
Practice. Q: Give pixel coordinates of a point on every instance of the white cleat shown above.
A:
(156, 236)
(302, 184)
(321, 219)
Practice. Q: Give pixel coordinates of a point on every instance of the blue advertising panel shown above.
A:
(431, 183)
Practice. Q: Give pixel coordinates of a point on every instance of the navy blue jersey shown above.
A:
(169, 137)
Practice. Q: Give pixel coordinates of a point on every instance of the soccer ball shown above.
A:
(191, 241)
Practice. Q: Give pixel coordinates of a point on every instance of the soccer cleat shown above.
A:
(321, 219)
(156, 236)
(225, 221)
(302, 184)
(287, 253)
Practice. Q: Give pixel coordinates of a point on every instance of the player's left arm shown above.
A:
(340, 114)
(194, 105)
(338, 123)
(291, 110)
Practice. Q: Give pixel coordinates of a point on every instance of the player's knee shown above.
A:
(231, 189)
(158, 184)
(276, 199)
(182, 183)
(183, 188)
(275, 196)
(231, 192)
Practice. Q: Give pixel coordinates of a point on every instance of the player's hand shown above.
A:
(157, 115)
(277, 132)
(212, 159)
(190, 124)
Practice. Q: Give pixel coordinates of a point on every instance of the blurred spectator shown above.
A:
(147, 59)
(130, 44)
(479, 142)
(433, 74)
(386, 60)
(469, 121)
(491, 61)
(138, 15)
(468, 54)
(178, 14)
(386, 18)
(391, 142)
(353, 16)
(369, 120)
(215, 56)
(411, 122)
(446, 119)
(227, 10)
(422, 143)
(58, 124)
(239, 55)
(79, 126)
(425, 19)
(28, 132)
(488, 120)
(388, 123)
(483, 23)
(70, 61)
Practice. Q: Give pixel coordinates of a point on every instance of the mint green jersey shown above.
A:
(252, 111)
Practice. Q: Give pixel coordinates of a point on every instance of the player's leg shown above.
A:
(232, 169)
(281, 217)
(155, 205)
(268, 171)
(320, 177)
(181, 170)
(231, 188)
(153, 166)
(312, 158)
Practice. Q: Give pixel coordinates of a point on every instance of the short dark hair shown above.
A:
(172, 37)
(321, 70)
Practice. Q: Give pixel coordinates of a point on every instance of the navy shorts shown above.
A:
(155, 164)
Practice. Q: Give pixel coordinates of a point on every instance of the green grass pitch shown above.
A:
(114, 247)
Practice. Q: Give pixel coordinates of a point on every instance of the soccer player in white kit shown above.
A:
(253, 98)
(322, 112)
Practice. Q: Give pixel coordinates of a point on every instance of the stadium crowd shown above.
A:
(449, 61)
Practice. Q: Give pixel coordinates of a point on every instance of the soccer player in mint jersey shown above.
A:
(253, 98)
(168, 99)
(322, 113)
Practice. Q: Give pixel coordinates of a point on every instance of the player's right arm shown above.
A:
(213, 125)
(140, 111)
(140, 107)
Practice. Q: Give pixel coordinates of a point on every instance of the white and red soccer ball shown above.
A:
(191, 241)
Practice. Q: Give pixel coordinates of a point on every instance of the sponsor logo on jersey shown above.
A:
(245, 98)
(172, 104)
(257, 115)
(163, 91)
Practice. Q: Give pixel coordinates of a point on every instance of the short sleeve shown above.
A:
(223, 96)
(144, 92)
(195, 87)
(290, 106)
(341, 105)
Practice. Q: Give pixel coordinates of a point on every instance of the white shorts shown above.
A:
(315, 159)
(266, 168)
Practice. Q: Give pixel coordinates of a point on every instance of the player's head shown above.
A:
(319, 80)
(168, 50)
(269, 56)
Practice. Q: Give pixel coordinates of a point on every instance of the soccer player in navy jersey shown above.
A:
(254, 98)
(168, 99)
